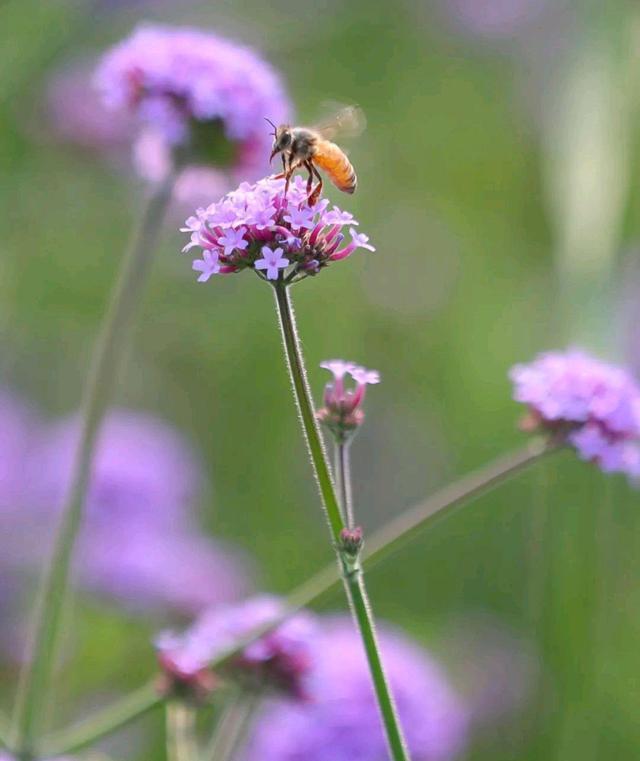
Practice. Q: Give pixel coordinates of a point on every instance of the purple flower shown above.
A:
(263, 223)
(342, 412)
(340, 720)
(196, 90)
(17, 426)
(272, 261)
(588, 403)
(77, 115)
(279, 659)
(144, 471)
(139, 541)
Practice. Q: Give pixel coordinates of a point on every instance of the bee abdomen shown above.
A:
(333, 160)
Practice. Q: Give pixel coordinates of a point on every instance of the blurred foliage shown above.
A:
(454, 187)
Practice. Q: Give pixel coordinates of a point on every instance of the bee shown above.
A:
(312, 148)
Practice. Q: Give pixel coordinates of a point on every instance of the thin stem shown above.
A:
(435, 508)
(352, 576)
(232, 729)
(342, 474)
(83, 734)
(102, 378)
(181, 731)
(304, 403)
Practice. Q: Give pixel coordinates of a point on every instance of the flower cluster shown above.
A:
(342, 413)
(279, 659)
(340, 721)
(197, 91)
(580, 400)
(278, 235)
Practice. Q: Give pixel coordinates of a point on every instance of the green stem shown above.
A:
(102, 378)
(83, 734)
(181, 731)
(352, 577)
(305, 408)
(342, 474)
(233, 727)
(396, 533)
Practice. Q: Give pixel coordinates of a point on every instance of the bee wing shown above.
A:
(349, 121)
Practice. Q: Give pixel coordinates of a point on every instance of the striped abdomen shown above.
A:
(332, 159)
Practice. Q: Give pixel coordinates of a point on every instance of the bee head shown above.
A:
(281, 138)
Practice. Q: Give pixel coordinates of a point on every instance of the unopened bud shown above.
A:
(351, 541)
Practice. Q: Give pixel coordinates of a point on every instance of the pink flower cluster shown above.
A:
(280, 237)
(342, 412)
(279, 659)
(592, 405)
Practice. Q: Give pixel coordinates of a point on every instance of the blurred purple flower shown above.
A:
(494, 19)
(279, 659)
(159, 570)
(78, 115)
(340, 720)
(342, 412)
(271, 231)
(592, 405)
(139, 542)
(144, 471)
(17, 427)
(195, 90)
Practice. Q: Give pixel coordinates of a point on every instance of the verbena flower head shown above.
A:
(195, 91)
(280, 237)
(580, 400)
(341, 721)
(279, 659)
(342, 413)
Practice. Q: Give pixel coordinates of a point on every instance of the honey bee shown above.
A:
(312, 148)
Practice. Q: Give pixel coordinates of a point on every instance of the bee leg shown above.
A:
(312, 200)
(309, 169)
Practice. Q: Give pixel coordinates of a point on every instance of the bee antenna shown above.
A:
(272, 124)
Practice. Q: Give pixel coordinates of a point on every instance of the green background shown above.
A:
(498, 180)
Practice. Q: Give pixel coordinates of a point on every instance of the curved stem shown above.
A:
(103, 722)
(352, 577)
(181, 731)
(102, 378)
(425, 514)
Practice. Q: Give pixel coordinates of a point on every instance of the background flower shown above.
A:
(340, 720)
(140, 543)
(592, 405)
(279, 659)
(192, 88)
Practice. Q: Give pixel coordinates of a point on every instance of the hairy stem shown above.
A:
(181, 731)
(102, 378)
(396, 533)
(353, 579)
